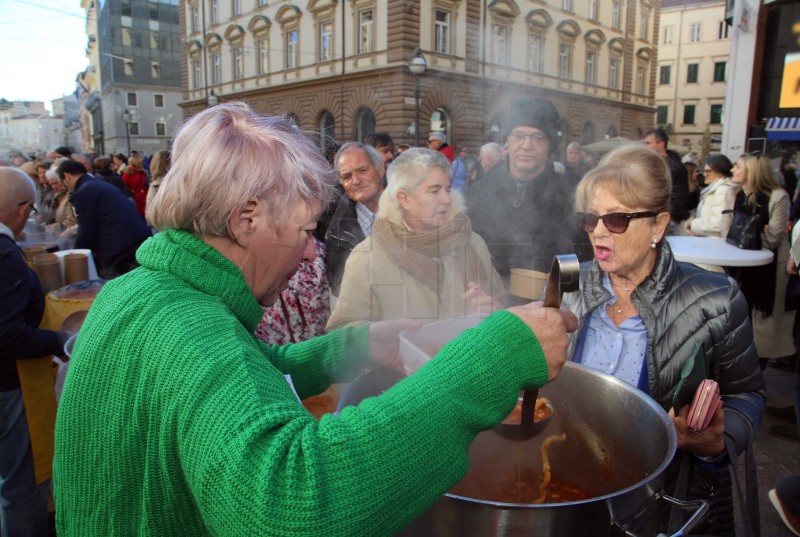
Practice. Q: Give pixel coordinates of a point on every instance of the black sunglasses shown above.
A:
(614, 222)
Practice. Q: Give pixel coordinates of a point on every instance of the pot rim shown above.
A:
(672, 447)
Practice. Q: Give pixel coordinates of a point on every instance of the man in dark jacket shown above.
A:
(361, 171)
(681, 204)
(108, 223)
(23, 502)
(523, 209)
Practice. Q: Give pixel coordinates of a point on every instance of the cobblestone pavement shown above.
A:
(776, 457)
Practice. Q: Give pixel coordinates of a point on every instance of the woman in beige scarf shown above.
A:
(423, 260)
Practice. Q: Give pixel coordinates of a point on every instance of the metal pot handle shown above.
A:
(701, 507)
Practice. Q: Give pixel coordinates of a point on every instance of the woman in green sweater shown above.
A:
(176, 420)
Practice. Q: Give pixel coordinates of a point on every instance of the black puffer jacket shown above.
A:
(682, 306)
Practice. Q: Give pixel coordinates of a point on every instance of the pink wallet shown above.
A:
(705, 404)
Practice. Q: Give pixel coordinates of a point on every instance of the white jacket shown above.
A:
(717, 197)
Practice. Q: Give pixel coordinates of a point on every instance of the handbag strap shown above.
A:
(750, 513)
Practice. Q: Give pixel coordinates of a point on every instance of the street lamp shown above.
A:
(417, 65)
(127, 118)
(213, 100)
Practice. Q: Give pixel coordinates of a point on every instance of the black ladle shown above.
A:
(564, 277)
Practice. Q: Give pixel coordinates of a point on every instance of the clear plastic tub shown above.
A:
(418, 346)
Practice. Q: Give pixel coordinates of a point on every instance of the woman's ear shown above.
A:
(242, 223)
(660, 228)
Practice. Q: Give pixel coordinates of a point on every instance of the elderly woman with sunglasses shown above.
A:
(643, 315)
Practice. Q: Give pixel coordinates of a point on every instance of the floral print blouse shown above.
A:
(302, 309)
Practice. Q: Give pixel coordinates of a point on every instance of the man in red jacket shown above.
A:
(438, 142)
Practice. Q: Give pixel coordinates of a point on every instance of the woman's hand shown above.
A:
(384, 341)
(709, 442)
(551, 326)
(791, 266)
(480, 302)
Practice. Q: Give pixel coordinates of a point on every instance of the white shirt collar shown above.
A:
(5, 230)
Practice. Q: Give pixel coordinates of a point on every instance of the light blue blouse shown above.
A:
(620, 352)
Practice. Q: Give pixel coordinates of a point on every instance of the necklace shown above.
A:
(619, 307)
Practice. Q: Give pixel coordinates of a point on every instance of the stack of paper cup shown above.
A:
(32, 251)
(48, 269)
(76, 268)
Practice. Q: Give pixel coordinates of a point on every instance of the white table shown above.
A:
(715, 251)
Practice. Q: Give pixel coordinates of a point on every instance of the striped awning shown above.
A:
(783, 128)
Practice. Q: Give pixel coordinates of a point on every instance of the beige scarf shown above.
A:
(420, 254)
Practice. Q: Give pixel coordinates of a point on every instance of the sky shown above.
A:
(42, 48)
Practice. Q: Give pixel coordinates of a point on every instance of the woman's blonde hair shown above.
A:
(636, 176)
(406, 173)
(229, 154)
(758, 175)
(159, 165)
(135, 163)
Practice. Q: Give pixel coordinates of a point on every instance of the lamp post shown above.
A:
(417, 65)
(127, 118)
(213, 100)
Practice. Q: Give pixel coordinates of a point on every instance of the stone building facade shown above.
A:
(692, 77)
(341, 67)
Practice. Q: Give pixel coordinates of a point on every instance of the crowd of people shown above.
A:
(248, 270)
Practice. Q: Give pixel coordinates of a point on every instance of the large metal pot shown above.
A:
(619, 444)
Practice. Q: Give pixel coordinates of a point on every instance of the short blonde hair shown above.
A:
(636, 176)
(229, 154)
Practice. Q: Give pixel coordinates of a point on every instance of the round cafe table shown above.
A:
(715, 251)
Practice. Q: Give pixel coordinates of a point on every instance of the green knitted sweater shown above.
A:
(176, 420)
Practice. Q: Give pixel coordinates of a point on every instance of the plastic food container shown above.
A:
(418, 346)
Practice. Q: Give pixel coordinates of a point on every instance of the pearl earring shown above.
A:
(653, 244)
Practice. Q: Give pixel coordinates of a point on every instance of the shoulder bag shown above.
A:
(745, 231)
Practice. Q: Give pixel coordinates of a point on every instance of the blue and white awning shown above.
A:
(783, 128)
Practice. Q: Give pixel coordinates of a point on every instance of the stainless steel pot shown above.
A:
(619, 444)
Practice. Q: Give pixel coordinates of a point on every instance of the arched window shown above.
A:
(496, 128)
(327, 125)
(587, 136)
(440, 122)
(611, 132)
(365, 123)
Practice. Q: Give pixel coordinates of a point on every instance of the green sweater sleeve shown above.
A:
(175, 420)
(317, 363)
(359, 473)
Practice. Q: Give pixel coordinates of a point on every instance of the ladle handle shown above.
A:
(529, 406)
(564, 277)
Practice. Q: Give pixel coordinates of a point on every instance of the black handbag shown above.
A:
(745, 231)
